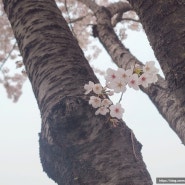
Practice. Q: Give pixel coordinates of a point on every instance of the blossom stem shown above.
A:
(121, 97)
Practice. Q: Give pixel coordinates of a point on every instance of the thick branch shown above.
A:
(164, 25)
(90, 4)
(159, 93)
(119, 7)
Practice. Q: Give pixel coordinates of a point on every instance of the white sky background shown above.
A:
(20, 123)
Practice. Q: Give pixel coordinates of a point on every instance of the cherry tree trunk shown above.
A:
(76, 147)
(164, 24)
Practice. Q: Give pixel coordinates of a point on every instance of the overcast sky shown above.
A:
(20, 123)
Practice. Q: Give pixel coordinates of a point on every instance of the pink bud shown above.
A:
(110, 93)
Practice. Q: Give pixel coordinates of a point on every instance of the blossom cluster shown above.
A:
(116, 82)
(100, 101)
(134, 77)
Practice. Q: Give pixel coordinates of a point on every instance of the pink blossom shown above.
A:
(106, 103)
(154, 78)
(124, 74)
(111, 75)
(144, 80)
(116, 111)
(95, 101)
(133, 82)
(88, 87)
(97, 88)
(102, 110)
(118, 86)
(150, 68)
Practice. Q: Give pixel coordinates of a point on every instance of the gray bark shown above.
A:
(76, 147)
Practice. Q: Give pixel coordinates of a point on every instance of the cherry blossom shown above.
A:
(144, 80)
(116, 111)
(102, 110)
(133, 82)
(88, 87)
(95, 101)
(97, 88)
(154, 78)
(150, 68)
(137, 70)
(118, 86)
(124, 74)
(116, 81)
(111, 75)
(106, 103)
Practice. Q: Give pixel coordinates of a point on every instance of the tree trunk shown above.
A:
(76, 147)
(164, 25)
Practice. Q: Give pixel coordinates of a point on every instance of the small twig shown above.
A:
(4, 61)
(78, 19)
(70, 21)
(121, 97)
(130, 19)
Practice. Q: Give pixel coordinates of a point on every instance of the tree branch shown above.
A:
(90, 4)
(10, 52)
(72, 30)
(159, 93)
(119, 7)
(130, 19)
(77, 19)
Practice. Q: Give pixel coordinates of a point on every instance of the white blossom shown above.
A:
(95, 101)
(154, 78)
(102, 110)
(144, 80)
(150, 68)
(116, 81)
(124, 74)
(111, 75)
(118, 86)
(97, 88)
(116, 111)
(106, 102)
(133, 82)
(88, 87)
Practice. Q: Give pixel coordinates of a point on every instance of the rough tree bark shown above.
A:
(164, 24)
(76, 147)
(159, 93)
